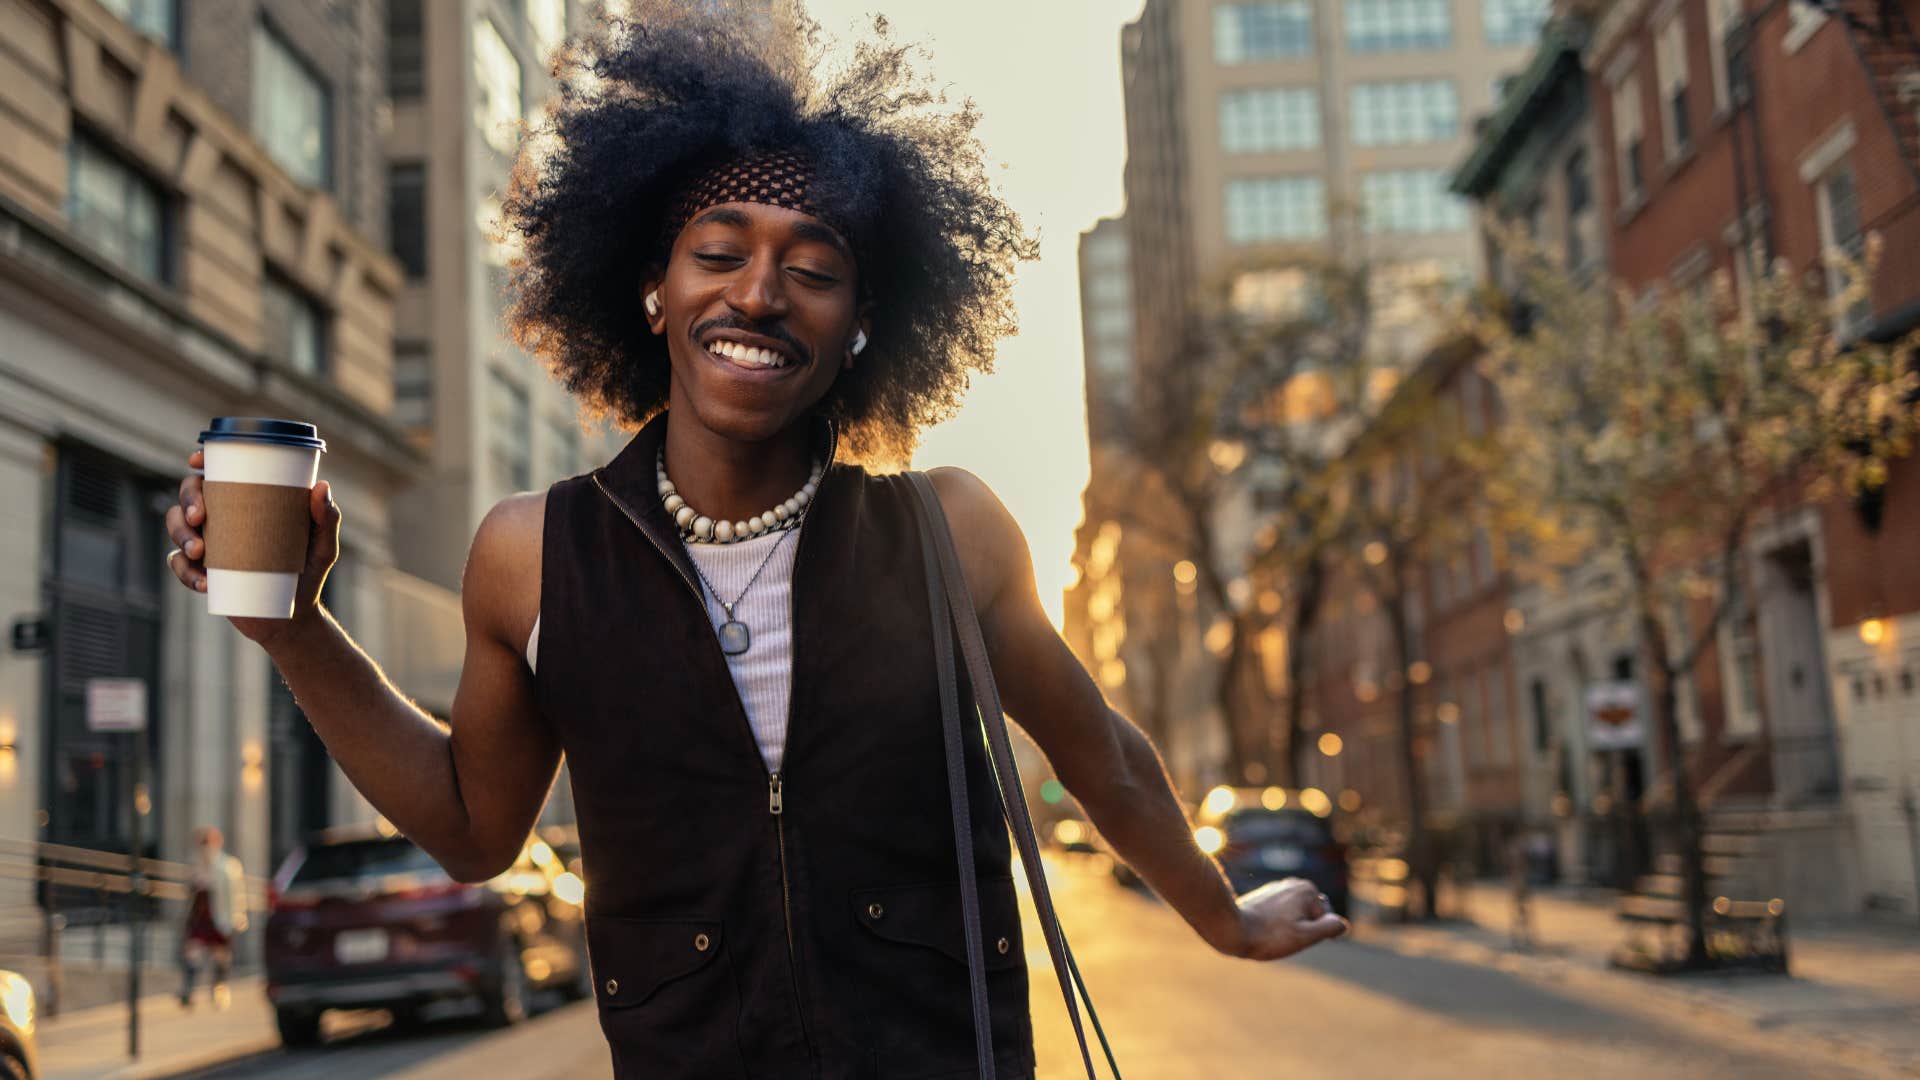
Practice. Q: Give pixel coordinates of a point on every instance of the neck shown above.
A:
(731, 480)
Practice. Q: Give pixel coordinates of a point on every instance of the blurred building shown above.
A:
(1727, 135)
(464, 77)
(193, 216)
(1532, 169)
(1288, 128)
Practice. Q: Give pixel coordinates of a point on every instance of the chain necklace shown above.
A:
(735, 638)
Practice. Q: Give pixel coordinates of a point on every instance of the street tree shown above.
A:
(1661, 427)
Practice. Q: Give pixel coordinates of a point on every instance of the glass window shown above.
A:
(115, 209)
(562, 448)
(412, 384)
(1722, 17)
(1386, 113)
(1512, 22)
(1249, 32)
(1840, 232)
(1276, 208)
(1397, 25)
(1670, 63)
(1278, 118)
(292, 113)
(295, 327)
(158, 19)
(496, 75)
(1626, 136)
(407, 215)
(510, 432)
(1411, 201)
(548, 21)
(406, 50)
(1579, 198)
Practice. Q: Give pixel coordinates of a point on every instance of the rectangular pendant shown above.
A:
(734, 638)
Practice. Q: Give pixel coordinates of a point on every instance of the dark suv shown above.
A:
(1261, 835)
(362, 918)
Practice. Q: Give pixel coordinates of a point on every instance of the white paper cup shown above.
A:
(249, 557)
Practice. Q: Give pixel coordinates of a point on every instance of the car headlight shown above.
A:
(16, 996)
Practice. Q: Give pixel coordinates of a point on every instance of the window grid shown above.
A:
(115, 209)
(1670, 63)
(1626, 136)
(496, 76)
(1411, 201)
(1397, 25)
(1244, 33)
(407, 216)
(1276, 208)
(158, 19)
(1413, 111)
(1512, 22)
(511, 431)
(292, 111)
(295, 326)
(1271, 119)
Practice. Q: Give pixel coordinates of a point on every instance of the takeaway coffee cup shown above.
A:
(259, 477)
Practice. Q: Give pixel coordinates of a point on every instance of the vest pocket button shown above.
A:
(1003, 945)
(613, 987)
(874, 911)
(700, 942)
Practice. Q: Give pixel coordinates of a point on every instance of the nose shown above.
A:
(757, 292)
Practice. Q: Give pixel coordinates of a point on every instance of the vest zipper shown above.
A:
(775, 795)
(776, 803)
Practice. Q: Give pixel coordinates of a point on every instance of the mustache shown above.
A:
(767, 330)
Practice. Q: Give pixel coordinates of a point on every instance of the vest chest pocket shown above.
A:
(666, 992)
(911, 973)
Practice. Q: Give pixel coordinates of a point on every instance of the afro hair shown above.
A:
(648, 101)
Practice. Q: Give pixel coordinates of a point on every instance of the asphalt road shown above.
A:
(1175, 1011)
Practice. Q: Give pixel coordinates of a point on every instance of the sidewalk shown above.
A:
(1854, 985)
(91, 1044)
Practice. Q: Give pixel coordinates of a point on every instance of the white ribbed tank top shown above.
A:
(762, 675)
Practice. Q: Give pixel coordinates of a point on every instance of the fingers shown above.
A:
(189, 571)
(1325, 928)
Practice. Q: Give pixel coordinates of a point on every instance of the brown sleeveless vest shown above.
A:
(748, 925)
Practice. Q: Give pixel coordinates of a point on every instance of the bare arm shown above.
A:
(467, 793)
(1108, 764)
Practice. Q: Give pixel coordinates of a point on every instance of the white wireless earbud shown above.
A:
(653, 304)
(859, 341)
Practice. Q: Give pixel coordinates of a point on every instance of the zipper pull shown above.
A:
(773, 794)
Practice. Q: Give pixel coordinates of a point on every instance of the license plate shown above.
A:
(360, 946)
(1280, 857)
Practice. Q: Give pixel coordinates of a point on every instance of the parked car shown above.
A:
(1265, 834)
(362, 918)
(17, 1046)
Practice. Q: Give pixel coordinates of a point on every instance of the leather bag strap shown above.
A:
(954, 612)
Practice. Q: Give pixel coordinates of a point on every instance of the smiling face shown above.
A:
(759, 306)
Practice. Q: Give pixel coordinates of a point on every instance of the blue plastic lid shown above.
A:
(263, 430)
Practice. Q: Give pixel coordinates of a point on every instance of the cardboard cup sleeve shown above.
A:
(257, 527)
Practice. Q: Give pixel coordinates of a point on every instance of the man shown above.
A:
(726, 628)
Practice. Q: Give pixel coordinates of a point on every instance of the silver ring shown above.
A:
(171, 554)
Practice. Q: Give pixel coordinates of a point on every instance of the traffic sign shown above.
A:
(116, 704)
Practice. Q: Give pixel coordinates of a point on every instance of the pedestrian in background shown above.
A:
(216, 914)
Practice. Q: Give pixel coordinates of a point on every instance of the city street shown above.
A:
(1378, 1004)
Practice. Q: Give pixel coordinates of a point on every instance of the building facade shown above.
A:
(464, 77)
(192, 224)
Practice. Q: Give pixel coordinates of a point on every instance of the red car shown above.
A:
(361, 918)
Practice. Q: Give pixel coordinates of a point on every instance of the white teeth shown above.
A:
(748, 355)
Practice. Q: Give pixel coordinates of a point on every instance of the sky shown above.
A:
(1046, 77)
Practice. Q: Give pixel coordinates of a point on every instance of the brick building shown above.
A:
(1727, 135)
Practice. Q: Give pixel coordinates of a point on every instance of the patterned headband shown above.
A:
(771, 178)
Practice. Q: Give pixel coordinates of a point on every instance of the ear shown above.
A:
(863, 323)
(650, 284)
